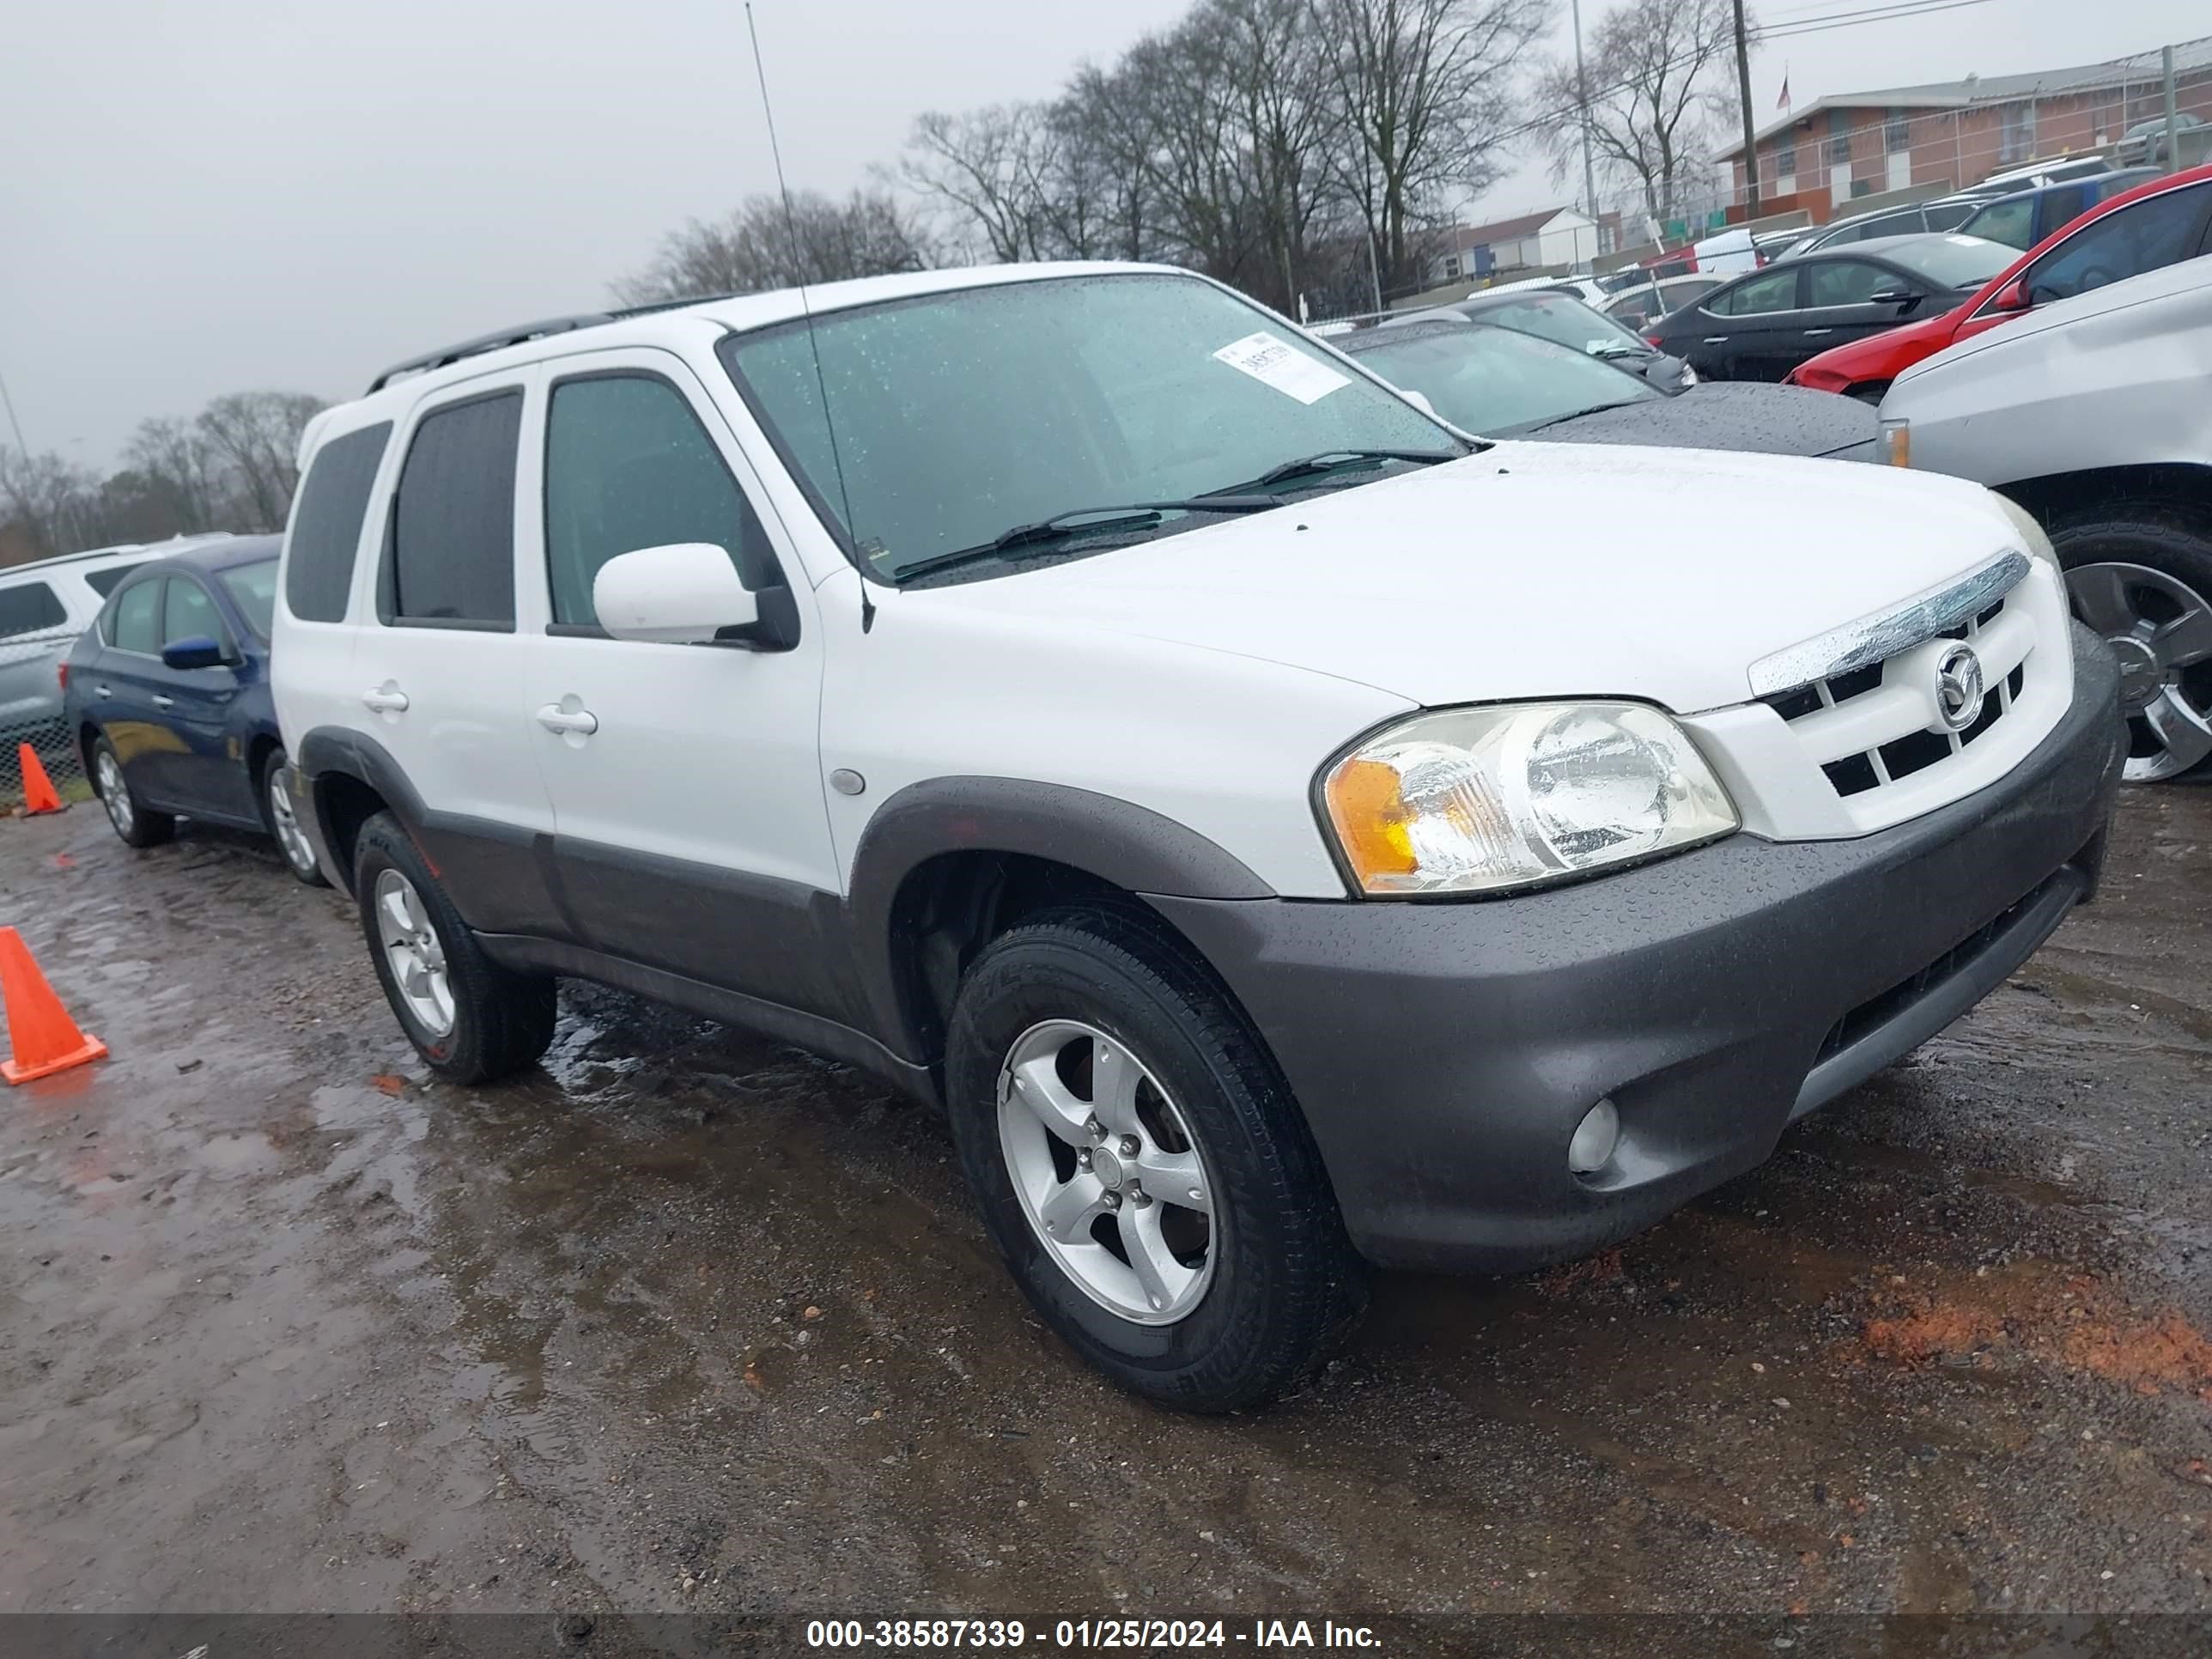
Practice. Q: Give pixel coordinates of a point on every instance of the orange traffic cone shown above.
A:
(39, 794)
(42, 1035)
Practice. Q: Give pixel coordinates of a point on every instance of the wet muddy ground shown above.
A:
(689, 1322)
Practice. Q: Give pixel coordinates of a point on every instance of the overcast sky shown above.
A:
(205, 196)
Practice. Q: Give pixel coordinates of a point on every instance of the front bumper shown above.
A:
(1444, 1052)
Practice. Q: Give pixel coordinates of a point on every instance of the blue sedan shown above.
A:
(167, 694)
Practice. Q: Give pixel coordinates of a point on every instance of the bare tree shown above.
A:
(1658, 75)
(867, 234)
(987, 170)
(1426, 91)
(53, 502)
(254, 437)
(175, 465)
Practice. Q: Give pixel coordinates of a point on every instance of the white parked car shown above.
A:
(2091, 413)
(1282, 832)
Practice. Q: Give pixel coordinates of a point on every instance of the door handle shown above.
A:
(580, 721)
(160, 701)
(1716, 339)
(102, 691)
(1815, 333)
(386, 699)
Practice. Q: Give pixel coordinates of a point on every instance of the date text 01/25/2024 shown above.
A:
(1140, 1634)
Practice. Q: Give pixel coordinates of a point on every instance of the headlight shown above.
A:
(1472, 800)
(1897, 442)
(2033, 540)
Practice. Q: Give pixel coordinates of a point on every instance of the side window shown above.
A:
(104, 582)
(1947, 216)
(2064, 206)
(134, 620)
(450, 554)
(1850, 282)
(1776, 291)
(2010, 222)
(628, 466)
(189, 612)
(2144, 236)
(326, 529)
(27, 607)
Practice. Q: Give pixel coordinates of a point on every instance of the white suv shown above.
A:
(1282, 833)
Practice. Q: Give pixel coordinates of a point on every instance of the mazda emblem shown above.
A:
(1959, 688)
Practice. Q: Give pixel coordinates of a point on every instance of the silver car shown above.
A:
(2091, 413)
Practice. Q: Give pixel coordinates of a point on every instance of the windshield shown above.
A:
(1565, 321)
(957, 416)
(1496, 381)
(253, 588)
(1954, 261)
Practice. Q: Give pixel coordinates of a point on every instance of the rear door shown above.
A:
(123, 681)
(34, 629)
(1753, 330)
(439, 663)
(200, 773)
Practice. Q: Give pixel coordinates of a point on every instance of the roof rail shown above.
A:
(539, 331)
(484, 343)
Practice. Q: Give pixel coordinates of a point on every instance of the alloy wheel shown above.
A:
(2160, 629)
(414, 953)
(291, 839)
(1112, 1182)
(114, 794)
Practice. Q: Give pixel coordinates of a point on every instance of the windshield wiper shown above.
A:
(1333, 460)
(1576, 415)
(1087, 521)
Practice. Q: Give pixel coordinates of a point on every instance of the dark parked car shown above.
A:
(1762, 325)
(167, 694)
(2024, 218)
(1944, 213)
(1564, 319)
(1503, 384)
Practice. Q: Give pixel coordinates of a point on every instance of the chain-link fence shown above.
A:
(31, 712)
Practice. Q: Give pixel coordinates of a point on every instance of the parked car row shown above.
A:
(1077, 697)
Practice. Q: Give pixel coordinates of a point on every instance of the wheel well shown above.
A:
(2170, 486)
(256, 756)
(949, 907)
(345, 804)
(87, 734)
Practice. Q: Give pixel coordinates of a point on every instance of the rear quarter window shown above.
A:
(29, 608)
(326, 530)
(104, 582)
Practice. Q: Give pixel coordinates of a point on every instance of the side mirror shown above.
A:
(194, 651)
(688, 593)
(1420, 402)
(2013, 296)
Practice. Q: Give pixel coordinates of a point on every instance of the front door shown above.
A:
(1840, 306)
(441, 668)
(200, 773)
(687, 790)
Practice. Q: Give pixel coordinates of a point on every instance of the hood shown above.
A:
(1529, 570)
(1767, 420)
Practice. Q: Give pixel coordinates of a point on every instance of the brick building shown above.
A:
(1955, 133)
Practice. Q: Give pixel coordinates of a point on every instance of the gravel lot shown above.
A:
(690, 1323)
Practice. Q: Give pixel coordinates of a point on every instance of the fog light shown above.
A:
(1596, 1137)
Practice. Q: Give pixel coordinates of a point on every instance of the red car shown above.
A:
(2159, 223)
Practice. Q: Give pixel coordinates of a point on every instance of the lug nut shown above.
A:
(1130, 1145)
(1112, 1200)
(1138, 1197)
(1083, 1160)
(1095, 1129)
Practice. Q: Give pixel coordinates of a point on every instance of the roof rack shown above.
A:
(538, 331)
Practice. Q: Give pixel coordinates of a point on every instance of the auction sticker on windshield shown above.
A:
(1282, 365)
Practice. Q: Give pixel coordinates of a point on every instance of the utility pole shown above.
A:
(2172, 118)
(1582, 97)
(1750, 132)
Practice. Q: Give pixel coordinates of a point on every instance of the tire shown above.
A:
(471, 1020)
(1268, 1284)
(135, 823)
(283, 824)
(2133, 570)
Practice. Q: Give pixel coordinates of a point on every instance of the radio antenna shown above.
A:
(807, 311)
